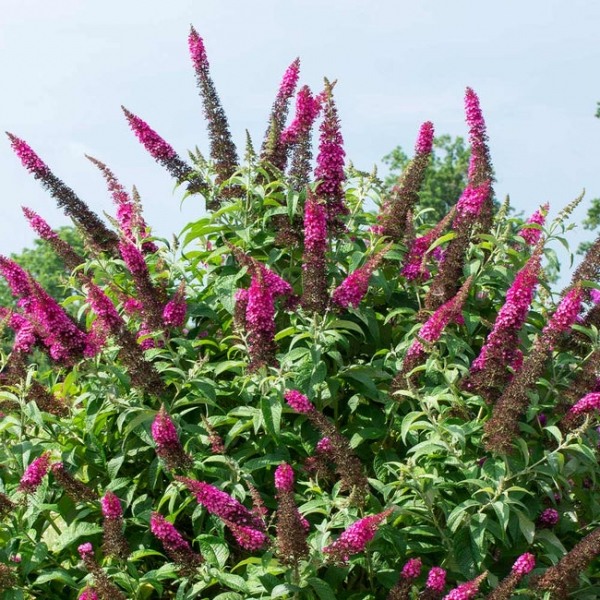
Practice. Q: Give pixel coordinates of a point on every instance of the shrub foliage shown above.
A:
(300, 397)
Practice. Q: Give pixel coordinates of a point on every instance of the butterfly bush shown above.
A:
(313, 391)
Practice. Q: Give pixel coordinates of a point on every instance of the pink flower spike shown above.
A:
(111, 506)
(86, 551)
(247, 537)
(466, 590)
(30, 160)
(197, 50)
(436, 580)
(284, 478)
(158, 148)
(299, 402)
(39, 225)
(412, 569)
(524, 564)
(566, 313)
(35, 472)
(175, 310)
(424, 143)
(88, 593)
(532, 235)
(587, 404)
(356, 537)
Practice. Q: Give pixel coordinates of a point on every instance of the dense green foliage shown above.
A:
(409, 451)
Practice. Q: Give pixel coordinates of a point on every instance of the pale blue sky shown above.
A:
(67, 66)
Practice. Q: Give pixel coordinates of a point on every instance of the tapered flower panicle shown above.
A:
(298, 135)
(533, 234)
(466, 590)
(63, 249)
(74, 488)
(150, 296)
(335, 446)
(436, 579)
(88, 593)
(405, 194)
(51, 324)
(355, 539)
(274, 149)
(163, 153)
(410, 571)
(299, 402)
(291, 529)
(503, 426)
(489, 372)
(142, 373)
(103, 586)
(115, 543)
(574, 417)
(260, 323)
(522, 566)
(430, 332)
(314, 264)
(168, 446)
(221, 504)
(94, 229)
(176, 547)
(566, 313)
(354, 288)
(330, 162)
(480, 165)
(222, 148)
(35, 473)
(563, 576)
(129, 214)
(415, 267)
(175, 310)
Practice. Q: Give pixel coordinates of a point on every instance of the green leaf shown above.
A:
(322, 588)
(75, 532)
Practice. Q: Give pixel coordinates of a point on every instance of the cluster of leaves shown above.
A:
(447, 500)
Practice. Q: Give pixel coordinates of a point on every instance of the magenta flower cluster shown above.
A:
(566, 313)
(284, 478)
(471, 202)
(197, 50)
(532, 235)
(299, 402)
(434, 326)
(412, 568)
(549, 517)
(414, 267)
(35, 473)
(30, 160)
(86, 551)
(247, 528)
(436, 579)
(477, 131)
(587, 404)
(424, 142)
(307, 110)
(356, 537)
(133, 257)
(88, 593)
(524, 564)
(511, 317)
(354, 288)
(111, 506)
(315, 227)
(289, 81)
(330, 161)
(175, 310)
(39, 225)
(465, 591)
(172, 540)
(158, 148)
